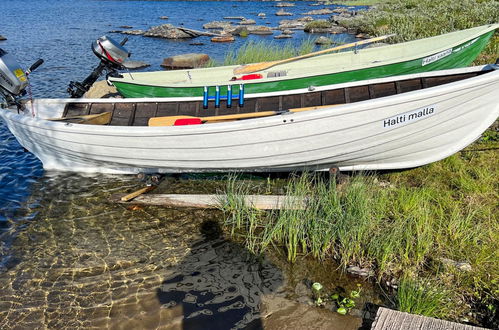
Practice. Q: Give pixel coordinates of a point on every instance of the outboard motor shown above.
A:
(111, 54)
(13, 79)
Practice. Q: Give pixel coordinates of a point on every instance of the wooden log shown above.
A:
(197, 33)
(262, 202)
(135, 194)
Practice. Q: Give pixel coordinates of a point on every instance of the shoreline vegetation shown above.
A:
(429, 235)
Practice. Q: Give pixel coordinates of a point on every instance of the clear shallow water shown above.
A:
(70, 259)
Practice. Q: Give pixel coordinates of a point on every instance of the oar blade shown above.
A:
(166, 121)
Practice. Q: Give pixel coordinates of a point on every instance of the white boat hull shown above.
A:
(400, 131)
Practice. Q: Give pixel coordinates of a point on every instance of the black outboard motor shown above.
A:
(112, 56)
(13, 79)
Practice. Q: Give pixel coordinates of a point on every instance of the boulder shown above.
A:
(135, 64)
(2, 37)
(285, 4)
(134, 32)
(260, 30)
(287, 32)
(185, 61)
(325, 11)
(305, 19)
(163, 17)
(166, 31)
(100, 89)
(283, 36)
(241, 31)
(323, 41)
(225, 38)
(282, 12)
(247, 22)
(262, 15)
(217, 25)
(125, 27)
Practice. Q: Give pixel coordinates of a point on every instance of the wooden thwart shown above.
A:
(97, 119)
(262, 202)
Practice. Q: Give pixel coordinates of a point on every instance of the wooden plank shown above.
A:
(262, 202)
(388, 319)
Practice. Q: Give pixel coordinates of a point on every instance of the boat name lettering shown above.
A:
(436, 57)
(469, 43)
(409, 117)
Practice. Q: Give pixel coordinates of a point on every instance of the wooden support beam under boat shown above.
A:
(262, 202)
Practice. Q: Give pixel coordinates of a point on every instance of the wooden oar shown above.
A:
(249, 68)
(170, 120)
(97, 119)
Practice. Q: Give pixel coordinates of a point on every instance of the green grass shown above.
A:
(262, 51)
(396, 224)
(317, 24)
(423, 297)
(415, 19)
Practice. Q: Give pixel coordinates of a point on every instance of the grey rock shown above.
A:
(163, 17)
(325, 11)
(217, 25)
(166, 31)
(305, 19)
(135, 64)
(283, 36)
(262, 15)
(461, 265)
(363, 272)
(282, 12)
(2, 37)
(133, 32)
(287, 31)
(125, 27)
(235, 18)
(185, 61)
(323, 41)
(247, 22)
(285, 4)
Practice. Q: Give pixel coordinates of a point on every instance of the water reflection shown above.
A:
(83, 262)
(218, 285)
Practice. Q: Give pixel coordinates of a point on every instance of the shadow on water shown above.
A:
(218, 285)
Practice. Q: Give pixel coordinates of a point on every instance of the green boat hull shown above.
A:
(461, 56)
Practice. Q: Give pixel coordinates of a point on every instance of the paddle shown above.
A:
(97, 119)
(249, 68)
(191, 120)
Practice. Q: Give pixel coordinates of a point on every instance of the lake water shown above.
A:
(71, 259)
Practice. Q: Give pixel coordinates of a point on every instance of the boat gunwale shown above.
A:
(249, 124)
(480, 32)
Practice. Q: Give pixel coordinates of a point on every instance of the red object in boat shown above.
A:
(252, 76)
(187, 121)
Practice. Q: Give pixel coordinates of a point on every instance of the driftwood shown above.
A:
(196, 33)
(262, 202)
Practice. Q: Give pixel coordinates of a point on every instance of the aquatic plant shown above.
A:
(262, 51)
(345, 304)
(423, 297)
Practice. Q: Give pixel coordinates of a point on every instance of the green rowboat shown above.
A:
(447, 51)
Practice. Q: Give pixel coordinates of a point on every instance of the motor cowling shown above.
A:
(12, 77)
(110, 51)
